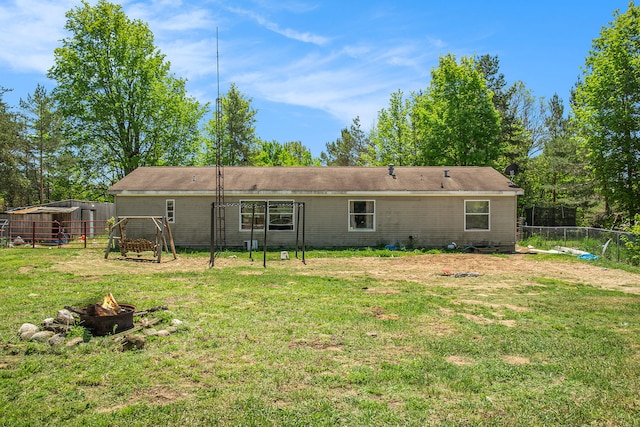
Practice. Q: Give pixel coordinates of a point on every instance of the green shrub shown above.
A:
(631, 242)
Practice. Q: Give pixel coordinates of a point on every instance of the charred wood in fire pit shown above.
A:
(99, 310)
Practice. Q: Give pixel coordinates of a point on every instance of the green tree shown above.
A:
(607, 111)
(521, 114)
(393, 137)
(348, 150)
(233, 129)
(455, 120)
(299, 155)
(267, 153)
(15, 189)
(272, 153)
(560, 167)
(122, 106)
(43, 126)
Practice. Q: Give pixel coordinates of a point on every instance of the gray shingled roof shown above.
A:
(310, 180)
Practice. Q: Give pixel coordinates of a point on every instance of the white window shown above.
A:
(476, 215)
(362, 215)
(249, 209)
(279, 214)
(170, 210)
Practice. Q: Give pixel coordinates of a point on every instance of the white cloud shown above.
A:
(191, 58)
(334, 82)
(169, 16)
(31, 30)
(353, 79)
(304, 37)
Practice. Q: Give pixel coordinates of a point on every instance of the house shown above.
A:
(343, 206)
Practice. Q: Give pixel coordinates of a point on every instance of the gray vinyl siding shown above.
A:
(191, 226)
(431, 221)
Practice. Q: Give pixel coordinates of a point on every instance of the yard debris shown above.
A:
(447, 272)
(581, 254)
(532, 250)
(565, 250)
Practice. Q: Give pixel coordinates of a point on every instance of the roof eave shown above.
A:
(237, 193)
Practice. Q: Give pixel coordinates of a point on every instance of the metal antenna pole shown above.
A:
(222, 240)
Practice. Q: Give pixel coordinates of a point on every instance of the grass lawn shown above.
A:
(367, 339)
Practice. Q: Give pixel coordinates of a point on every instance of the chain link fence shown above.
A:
(608, 244)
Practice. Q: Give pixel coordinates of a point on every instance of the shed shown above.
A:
(68, 214)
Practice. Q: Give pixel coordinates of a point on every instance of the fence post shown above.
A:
(33, 234)
(586, 238)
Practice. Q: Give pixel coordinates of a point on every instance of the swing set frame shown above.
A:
(119, 232)
(300, 240)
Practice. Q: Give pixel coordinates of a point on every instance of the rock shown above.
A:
(26, 336)
(172, 329)
(42, 336)
(132, 341)
(150, 332)
(48, 322)
(65, 317)
(28, 327)
(57, 340)
(74, 342)
(163, 333)
(176, 322)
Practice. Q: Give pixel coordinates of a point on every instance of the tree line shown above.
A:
(117, 106)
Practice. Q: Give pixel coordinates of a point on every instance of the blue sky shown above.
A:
(311, 66)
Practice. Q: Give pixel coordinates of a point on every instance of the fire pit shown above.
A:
(107, 317)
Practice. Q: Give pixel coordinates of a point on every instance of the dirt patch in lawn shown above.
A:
(460, 360)
(490, 272)
(516, 360)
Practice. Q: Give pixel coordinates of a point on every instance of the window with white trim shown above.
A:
(476, 215)
(252, 209)
(279, 214)
(362, 215)
(170, 210)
